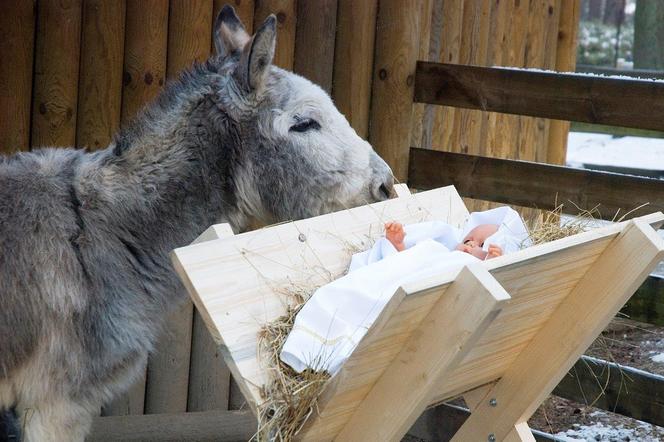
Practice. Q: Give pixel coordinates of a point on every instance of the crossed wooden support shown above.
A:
(501, 333)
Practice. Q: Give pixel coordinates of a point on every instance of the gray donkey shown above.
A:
(85, 276)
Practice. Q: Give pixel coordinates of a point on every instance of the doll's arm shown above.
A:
(395, 234)
(494, 251)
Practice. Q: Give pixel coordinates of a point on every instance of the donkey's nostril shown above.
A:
(384, 192)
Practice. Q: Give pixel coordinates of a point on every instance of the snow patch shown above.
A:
(659, 358)
(601, 432)
(602, 149)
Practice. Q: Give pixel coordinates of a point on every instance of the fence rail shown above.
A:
(574, 97)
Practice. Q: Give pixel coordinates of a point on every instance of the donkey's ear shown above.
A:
(229, 33)
(257, 55)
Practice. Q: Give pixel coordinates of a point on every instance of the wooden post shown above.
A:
(189, 39)
(353, 61)
(397, 47)
(417, 129)
(568, 29)
(100, 80)
(209, 377)
(286, 12)
(444, 337)
(558, 344)
(55, 92)
(17, 31)
(314, 41)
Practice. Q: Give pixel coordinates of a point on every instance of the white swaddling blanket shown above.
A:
(338, 315)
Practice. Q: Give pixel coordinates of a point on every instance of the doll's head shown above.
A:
(474, 240)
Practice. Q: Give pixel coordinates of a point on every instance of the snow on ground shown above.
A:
(605, 150)
(659, 357)
(601, 432)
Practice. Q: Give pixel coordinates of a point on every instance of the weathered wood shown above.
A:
(397, 47)
(616, 388)
(100, 79)
(568, 29)
(417, 121)
(647, 304)
(55, 91)
(314, 41)
(445, 336)
(210, 426)
(17, 31)
(189, 40)
(576, 321)
(613, 101)
(535, 185)
(353, 61)
(146, 37)
(209, 377)
(286, 13)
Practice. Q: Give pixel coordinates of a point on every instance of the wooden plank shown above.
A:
(599, 100)
(568, 29)
(286, 13)
(615, 388)
(579, 319)
(17, 33)
(209, 377)
(535, 185)
(146, 34)
(417, 121)
(314, 41)
(444, 337)
(647, 304)
(55, 90)
(397, 47)
(353, 61)
(211, 426)
(189, 40)
(146, 37)
(100, 79)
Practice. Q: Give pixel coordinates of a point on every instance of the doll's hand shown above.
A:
(395, 234)
(494, 251)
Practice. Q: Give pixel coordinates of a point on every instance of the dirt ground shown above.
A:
(625, 342)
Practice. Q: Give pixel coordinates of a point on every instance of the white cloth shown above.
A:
(338, 315)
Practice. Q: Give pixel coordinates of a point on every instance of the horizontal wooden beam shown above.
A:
(591, 99)
(617, 388)
(227, 426)
(535, 185)
(647, 304)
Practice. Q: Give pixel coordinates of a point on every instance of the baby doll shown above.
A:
(472, 243)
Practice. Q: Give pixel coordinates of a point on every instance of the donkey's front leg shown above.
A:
(55, 420)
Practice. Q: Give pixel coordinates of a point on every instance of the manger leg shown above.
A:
(578, 320)
(443, 338)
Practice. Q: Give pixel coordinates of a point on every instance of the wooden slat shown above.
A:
(568, 29)
(353, 61)
(17, 32)
(286, 13)
(397, 47)
(450, 329)
(314, 41)
(576, 322)
(146, 37)
(647, 304)
(615, 388)
(189, 40)
(417, 121)
(211, 426)
(55, 92)
(612, 101)
(100, 79)
(535, 185)
(209, 377)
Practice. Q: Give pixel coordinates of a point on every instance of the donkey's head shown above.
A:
(298, 155)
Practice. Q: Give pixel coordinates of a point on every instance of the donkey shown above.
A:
(85, 276)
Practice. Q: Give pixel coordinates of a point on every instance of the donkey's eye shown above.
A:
(305, 125)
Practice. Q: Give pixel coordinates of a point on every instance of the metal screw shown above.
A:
(301, 237)
(493, 402)
(492, 438)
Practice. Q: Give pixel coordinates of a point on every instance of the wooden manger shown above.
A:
(501, 333)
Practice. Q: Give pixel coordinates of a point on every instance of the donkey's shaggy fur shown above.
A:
(85, 277)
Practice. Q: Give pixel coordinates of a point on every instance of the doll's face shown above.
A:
(474, 241)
